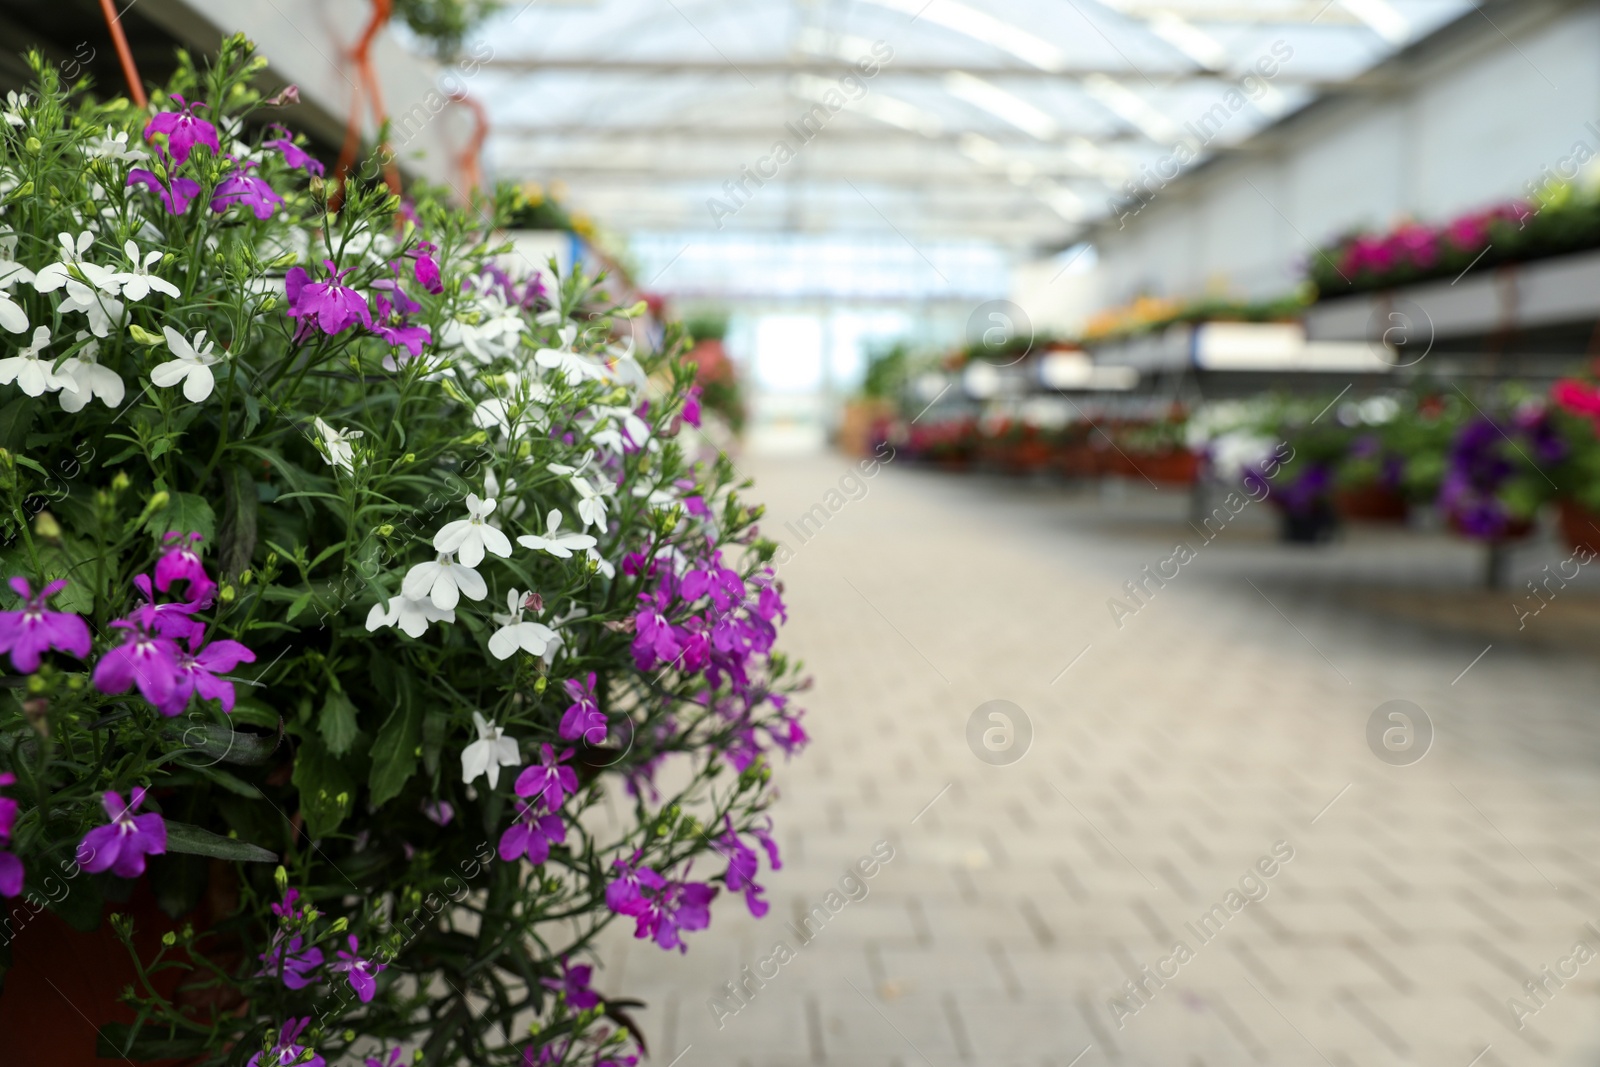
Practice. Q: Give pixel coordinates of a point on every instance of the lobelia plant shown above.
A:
(270, 470)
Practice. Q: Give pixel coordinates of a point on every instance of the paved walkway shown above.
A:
(1211, 749)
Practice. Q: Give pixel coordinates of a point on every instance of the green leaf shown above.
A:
(394, 753)
(229, 781)
(117, 1041)
(185, 513)
(327, 792)
(213, 742)
(190, 839)
(16, 419)
(337, 723)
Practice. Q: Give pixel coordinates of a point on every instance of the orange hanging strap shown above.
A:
(470, 160)
(129, 70)
(361, 55)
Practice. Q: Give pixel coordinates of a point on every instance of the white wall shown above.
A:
(1464, 129)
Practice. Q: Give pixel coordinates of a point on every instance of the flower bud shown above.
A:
(46, 526)
(142, 335)
(339, 925)
(33, 145)
(26, 189)
(159, 501)
(169, 939)
(280, 877)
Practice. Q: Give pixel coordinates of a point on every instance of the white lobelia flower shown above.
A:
(491, 751)
(55, 275)
(15, 107)
(103, 310)
(444, 581)
(337, 451)
(411, 614)
(113, 145)
(591, 503)
(192, 366)
(139, 283)
(83, 379)
(469, 537)
(532, 637)
(512, 511)
(574, 366)
(33, 375)
(554, 542)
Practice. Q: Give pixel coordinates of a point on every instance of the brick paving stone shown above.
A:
(1227, 713)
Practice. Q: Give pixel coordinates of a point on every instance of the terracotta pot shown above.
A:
(1178, 467)
(1371, 503)
(1077, 461)
(1029, 456)
(64, 983)
(1580, 526)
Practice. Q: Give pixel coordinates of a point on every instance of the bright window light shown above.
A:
(1002, 105)
(1385, 21)
(970, 22)
(788, 354)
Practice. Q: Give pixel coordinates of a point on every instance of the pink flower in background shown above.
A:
(1577, 397)
(251, 190)
(183, 130)
(426, 268)
(362, 973)
(290, 960)
(288, 1050)
(1418, 244)
(121, 846)
(175, 194)
(293, 154)
(327, 305)
(583, 716)
(574, 984)
(548, 779)
(29, 633)
(181, 563)
(1470, 232)
(11, 871)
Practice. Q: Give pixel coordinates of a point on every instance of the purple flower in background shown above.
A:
(1477, 469)
(625, 894)
(144, 658)
(531, 835)
(426, 268)
(121, 846)
(1544, 439)
(439, 812)
(691, 406)
(291, 960)
(175, 194)
(289, 908)
(251, 190)
(196, 672)
(293, 154)
(391, 1060)
(181, 563)
(362, 973)
(574, 984)
(548, 779)
(183, 130)
(327, 305)
(680, 906)
(33, 630)
(583, 717)
(11, 872)
(172, 619)
(288, 1050)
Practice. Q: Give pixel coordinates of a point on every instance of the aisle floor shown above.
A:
(1179, 753)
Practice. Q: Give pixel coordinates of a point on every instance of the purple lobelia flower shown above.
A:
(28, 633)
(11, 871)
(181, 563)
(251, 190)
(583, 717)
(175, 193)
(691, 406)
(196, 670)
(425, 268)
(324, 305)
(183, 129)
(574, 984)
(677, 907)
(743, 864)
(288, 1049)
(626, 893)
(654, 637)
(146, 659)
(291, 961)
(293, 154)
(391, 306)
(548, 779)
(391, 1060)
(362, 973)
(122, 845)
(173, 619)
(532, 834)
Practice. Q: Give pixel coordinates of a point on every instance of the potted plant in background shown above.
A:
(346, 572)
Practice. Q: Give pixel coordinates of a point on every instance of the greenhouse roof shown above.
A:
(1015, 122)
